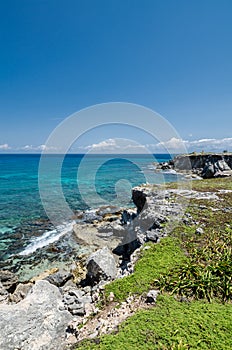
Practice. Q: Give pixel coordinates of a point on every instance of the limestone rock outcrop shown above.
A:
(35, 323)
(206, 165)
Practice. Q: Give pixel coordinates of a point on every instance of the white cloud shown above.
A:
(5, 147)
(103, 145)
(116, 146)
(211, 144)
(124, 146)
(173, 144)
(208, 145)
(37, 148)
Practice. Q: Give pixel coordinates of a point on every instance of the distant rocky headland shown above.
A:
(205, 165)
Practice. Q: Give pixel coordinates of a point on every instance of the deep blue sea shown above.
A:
(21, 210)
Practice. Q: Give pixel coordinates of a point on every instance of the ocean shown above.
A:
(24, 224)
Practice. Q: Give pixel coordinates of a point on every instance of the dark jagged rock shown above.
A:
(139, 199)
(208, 171)
(59, 278)
(198, 161)
(125, 250)
(126, 217)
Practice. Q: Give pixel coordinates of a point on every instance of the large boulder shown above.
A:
(101, 265)
(151, 219)
(59, 278)
(35, 323)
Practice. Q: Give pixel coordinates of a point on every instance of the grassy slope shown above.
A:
(156, 260)
(171, 324)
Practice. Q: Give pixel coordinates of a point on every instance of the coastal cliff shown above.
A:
(206, 165)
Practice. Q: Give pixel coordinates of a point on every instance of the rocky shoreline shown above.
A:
(205, 165)
(60, 307)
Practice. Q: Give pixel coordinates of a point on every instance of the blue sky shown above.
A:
(58, 57)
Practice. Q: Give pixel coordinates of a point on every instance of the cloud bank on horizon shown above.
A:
(120, 146)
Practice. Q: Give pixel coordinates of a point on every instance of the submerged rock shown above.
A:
(35, 322)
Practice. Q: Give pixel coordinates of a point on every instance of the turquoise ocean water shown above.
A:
(22, 217)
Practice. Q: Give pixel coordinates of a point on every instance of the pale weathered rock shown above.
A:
(35, 323)
(153, 235)
(199, 231)
(78, 271)
(89, 235)
(152, 296)
(222, 165)
(111, 296)
(101, 265)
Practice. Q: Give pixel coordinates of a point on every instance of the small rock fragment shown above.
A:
(152, 296)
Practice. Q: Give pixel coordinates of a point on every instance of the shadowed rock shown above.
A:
(8, 280)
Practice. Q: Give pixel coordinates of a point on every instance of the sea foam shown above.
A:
(47, 238)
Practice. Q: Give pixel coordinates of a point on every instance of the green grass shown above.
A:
(204, 185)
(172, 325)
(212, 184)
(156, 260)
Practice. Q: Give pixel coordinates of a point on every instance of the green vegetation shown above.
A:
(156, 260)
(189, 267)
(172, 325)
(212, 184)
(203, 185)
(208, 271)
